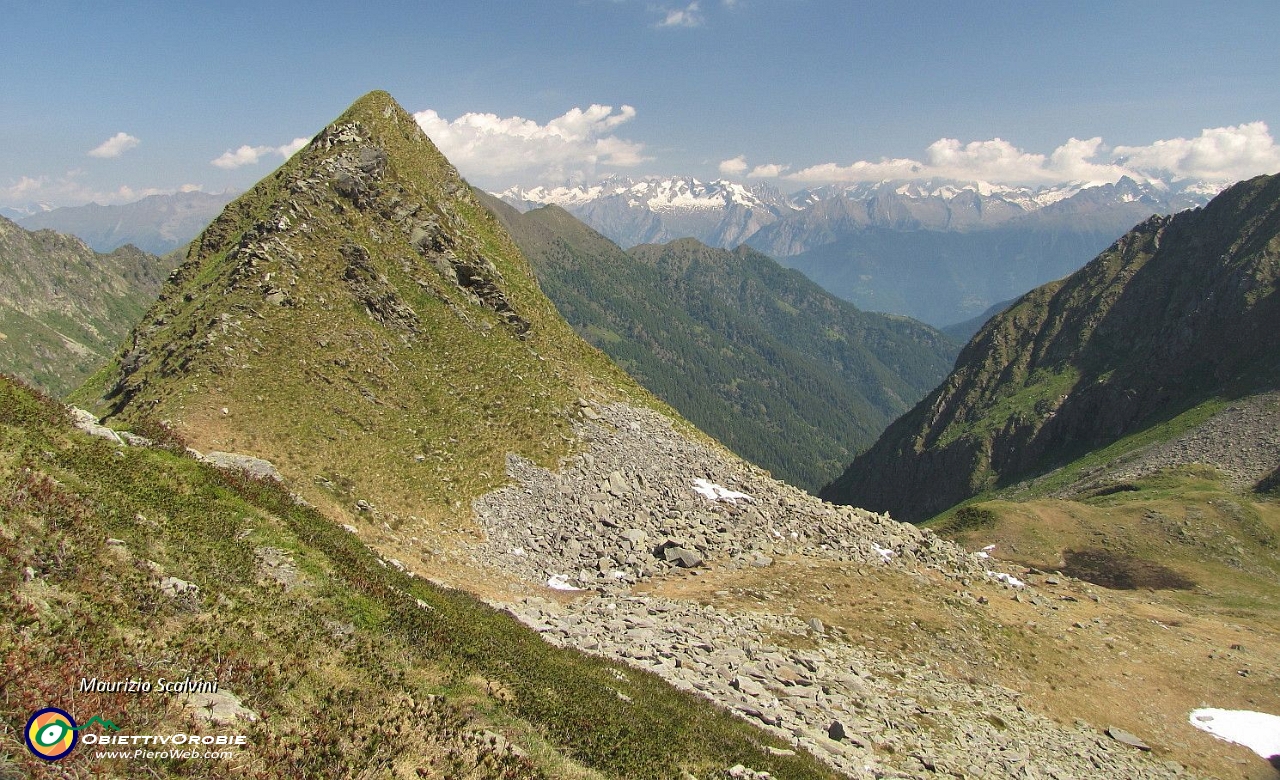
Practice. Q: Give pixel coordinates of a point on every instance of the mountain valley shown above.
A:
(786, 375)
(468, 544)
(938, 251)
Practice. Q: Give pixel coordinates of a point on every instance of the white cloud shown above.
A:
(293, 147)
(689, 16)
(252, 155)
(25, 188)
(114, 146)
(768, 171)
(1220, 154)
(70, 190)
(245, 155)
(569, 146)
(735, 167)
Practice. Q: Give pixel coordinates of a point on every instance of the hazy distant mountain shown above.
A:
(943, 255)
(942, 277)
(965, 330)
(828, 214)
(1179, 311)
(723, 213)
(157, 223)
(15, 214)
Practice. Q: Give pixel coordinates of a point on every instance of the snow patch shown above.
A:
(560, 582)
(1257, 731)
(713, 492)
(1007, 579)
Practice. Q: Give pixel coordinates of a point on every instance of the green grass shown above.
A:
(359, 700)
(1027, 405)
(963, 518)
(1181, 531)
(1161, 431)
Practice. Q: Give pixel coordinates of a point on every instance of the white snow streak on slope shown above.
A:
(1257, 731)
(713, 492)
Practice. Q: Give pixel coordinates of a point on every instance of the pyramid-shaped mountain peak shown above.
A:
(360, 319)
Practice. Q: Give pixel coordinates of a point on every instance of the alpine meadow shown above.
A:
(625, 391)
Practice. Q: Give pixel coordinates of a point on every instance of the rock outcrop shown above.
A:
(642, 500)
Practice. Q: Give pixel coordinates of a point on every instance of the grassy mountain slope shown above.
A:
(362, 321)
(351, 668)
(65, 308)
(1178, 312)
(1178, 529)
(785, 374)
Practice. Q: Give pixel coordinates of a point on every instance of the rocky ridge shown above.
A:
(1242, 442)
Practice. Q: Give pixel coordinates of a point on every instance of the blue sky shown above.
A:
(794, 92)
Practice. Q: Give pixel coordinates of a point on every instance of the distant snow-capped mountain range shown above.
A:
(940, 251)
(725, 213)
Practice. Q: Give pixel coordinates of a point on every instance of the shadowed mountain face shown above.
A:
(65, 308)
(1179, 310)
(787, 375)
(359, 318)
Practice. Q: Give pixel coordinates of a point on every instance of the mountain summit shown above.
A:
(361, 320)
(1180, 310)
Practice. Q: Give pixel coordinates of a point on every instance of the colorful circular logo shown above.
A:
(51, 733)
